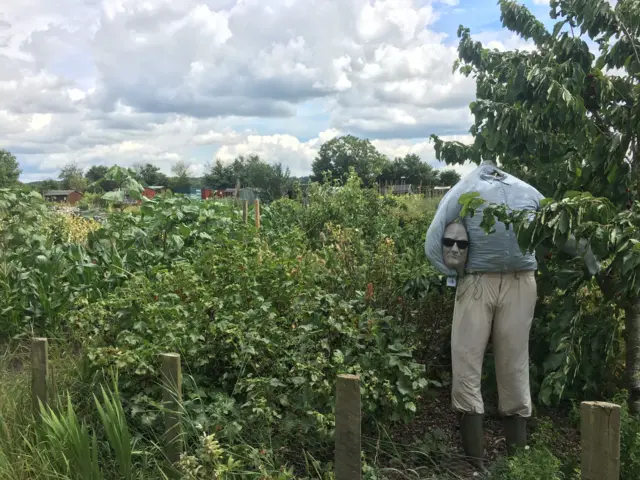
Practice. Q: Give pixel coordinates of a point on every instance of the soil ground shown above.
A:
(429, 447)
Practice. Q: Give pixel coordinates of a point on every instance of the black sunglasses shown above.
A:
(450, 242)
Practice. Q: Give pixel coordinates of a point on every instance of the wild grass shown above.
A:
(79, 436)
(85, 434)
(416, 206)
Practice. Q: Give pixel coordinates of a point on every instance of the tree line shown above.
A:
(334, 161)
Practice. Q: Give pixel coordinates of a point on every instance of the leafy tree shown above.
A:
(271, 179)
(449, 178)
(221, 175)
(181, 179)
(72, 177)
(253, 172)
(409, 169)
(48, 184)
(340, 154)
(44, 185)
(77, 183)
(96, 175)
(567, 122)
(9, 169)
(151, 175)
(180, 169)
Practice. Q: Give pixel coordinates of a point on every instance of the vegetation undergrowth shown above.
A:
(264, 320)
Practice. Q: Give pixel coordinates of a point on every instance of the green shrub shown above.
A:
(536, 461)
(268, 345)
(629, 438)
(532, 464)
(265, 320)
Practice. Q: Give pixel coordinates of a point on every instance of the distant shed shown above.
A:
(151, 191)
(206, 193)
(63, 196)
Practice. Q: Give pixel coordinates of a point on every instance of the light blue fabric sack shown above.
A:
(495, 252)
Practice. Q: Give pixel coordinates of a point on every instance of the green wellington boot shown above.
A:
(515, 432)
(472, 433)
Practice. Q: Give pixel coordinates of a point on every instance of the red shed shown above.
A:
(206, 193)
(149, 193)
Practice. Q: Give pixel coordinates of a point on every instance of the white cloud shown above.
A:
(126, 81)
(425, 150)
(39, 121)
(297, 155)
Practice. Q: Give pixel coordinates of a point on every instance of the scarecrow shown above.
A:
(496, 295)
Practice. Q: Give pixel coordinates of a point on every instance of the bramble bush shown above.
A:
(264, 320)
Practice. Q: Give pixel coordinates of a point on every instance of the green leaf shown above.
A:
(184, 230)
(613, 173)
(177, 241)
(115, 196)
(572, 194)
(274, 382)
(404, 387)
(558, 26)
(410, 406)
(563, 224)
(298, 380)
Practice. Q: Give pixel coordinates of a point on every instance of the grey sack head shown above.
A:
(455, 247)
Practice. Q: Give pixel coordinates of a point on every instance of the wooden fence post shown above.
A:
(600, 438)
(172, 403)
(257, 205)
(347, 455)
(39, 374)
(245, 211)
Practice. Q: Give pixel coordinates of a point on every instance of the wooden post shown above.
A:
(172, 402)
(257, 206)
(347, 455)
(39, 374)
(245, 211)
(600, 438)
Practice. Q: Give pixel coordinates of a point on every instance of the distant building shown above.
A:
(151, 191)
(63, 196)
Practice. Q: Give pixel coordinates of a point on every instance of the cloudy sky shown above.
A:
(130, 81)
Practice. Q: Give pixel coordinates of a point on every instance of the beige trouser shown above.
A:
(500, 306)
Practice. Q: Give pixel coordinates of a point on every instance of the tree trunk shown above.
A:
(632, 336)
